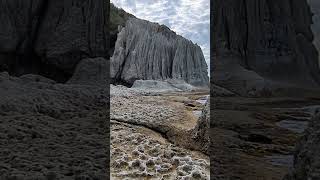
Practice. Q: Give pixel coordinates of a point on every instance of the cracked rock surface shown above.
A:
(50, 130)
(151, 136)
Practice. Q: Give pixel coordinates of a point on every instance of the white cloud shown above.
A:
(189, 18)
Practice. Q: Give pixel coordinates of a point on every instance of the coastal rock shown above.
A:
(149, 51)
(51, 37)
(307, 157)
(169, 85)
(93, 71)
(201, 133)
(154, 85)
(261, 42)
(51, 130)
(219, 91)
(156, 135)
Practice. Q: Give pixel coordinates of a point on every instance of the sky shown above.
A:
(189, 18)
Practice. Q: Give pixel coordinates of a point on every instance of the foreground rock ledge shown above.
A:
(155, 134)
(50, 130)
(307, 156)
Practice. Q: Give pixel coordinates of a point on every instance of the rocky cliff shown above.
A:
(146, 50)
(259, 42)
(118, 17)
(51, 130)
(50, 37)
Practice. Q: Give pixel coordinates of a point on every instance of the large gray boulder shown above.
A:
(259, 42)
(146, 51)
(51, 36)
(201, 133)
(91, 71)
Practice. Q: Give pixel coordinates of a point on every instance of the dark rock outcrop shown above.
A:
(259, 42)
(146, 50)
(307, 156)
(93, 71)
(201, 133)
(49, 37)
(221, 92)
(51, 130)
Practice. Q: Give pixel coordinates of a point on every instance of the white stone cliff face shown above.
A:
(146, 50)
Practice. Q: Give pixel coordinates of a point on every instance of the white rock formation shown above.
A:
(149, 51)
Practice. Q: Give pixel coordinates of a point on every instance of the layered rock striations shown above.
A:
(118, 17)
(50, 37)
(146, 50)
(259, 42)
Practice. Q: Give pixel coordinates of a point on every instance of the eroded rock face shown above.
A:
(146, 50)
(54, 34)
(307, 157)
(258, 42)
(315, 8)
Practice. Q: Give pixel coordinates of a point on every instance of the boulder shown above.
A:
(94, 71)
(201, 133)
(307, 156)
